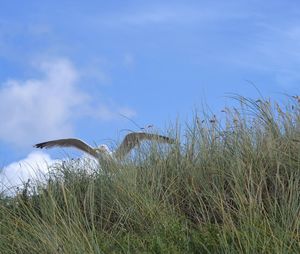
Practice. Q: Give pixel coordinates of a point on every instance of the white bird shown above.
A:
(130, 141)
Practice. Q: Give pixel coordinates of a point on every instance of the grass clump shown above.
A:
(230, 186)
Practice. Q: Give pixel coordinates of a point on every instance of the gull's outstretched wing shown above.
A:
(133, 139)
(68, 142)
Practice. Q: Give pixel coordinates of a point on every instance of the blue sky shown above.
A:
(72, 68)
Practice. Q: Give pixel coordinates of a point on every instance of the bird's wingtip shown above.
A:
(40, 145)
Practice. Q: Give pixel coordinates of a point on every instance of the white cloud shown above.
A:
(33, 167)
(45, 108)
(40, 108)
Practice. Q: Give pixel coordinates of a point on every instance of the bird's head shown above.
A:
(103, 149)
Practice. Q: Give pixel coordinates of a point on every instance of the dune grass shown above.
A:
(230, 186)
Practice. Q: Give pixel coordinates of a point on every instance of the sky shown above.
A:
(89, 69)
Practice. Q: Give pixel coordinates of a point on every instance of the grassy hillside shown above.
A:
(230, 186)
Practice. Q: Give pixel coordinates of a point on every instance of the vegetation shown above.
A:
(230, 186)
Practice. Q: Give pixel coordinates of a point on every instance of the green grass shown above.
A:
(230, 186)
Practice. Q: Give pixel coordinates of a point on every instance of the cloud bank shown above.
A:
(33, 167)
(40, 108)
(45, 108)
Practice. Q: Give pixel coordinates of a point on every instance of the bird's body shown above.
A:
(130, 141)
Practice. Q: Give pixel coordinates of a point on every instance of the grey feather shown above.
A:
(68, 142)
(133, 139)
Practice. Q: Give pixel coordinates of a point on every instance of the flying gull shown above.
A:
(130, 141)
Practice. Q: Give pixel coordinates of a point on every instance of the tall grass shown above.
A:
(229, 186)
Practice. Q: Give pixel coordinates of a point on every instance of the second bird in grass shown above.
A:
(130, 141)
